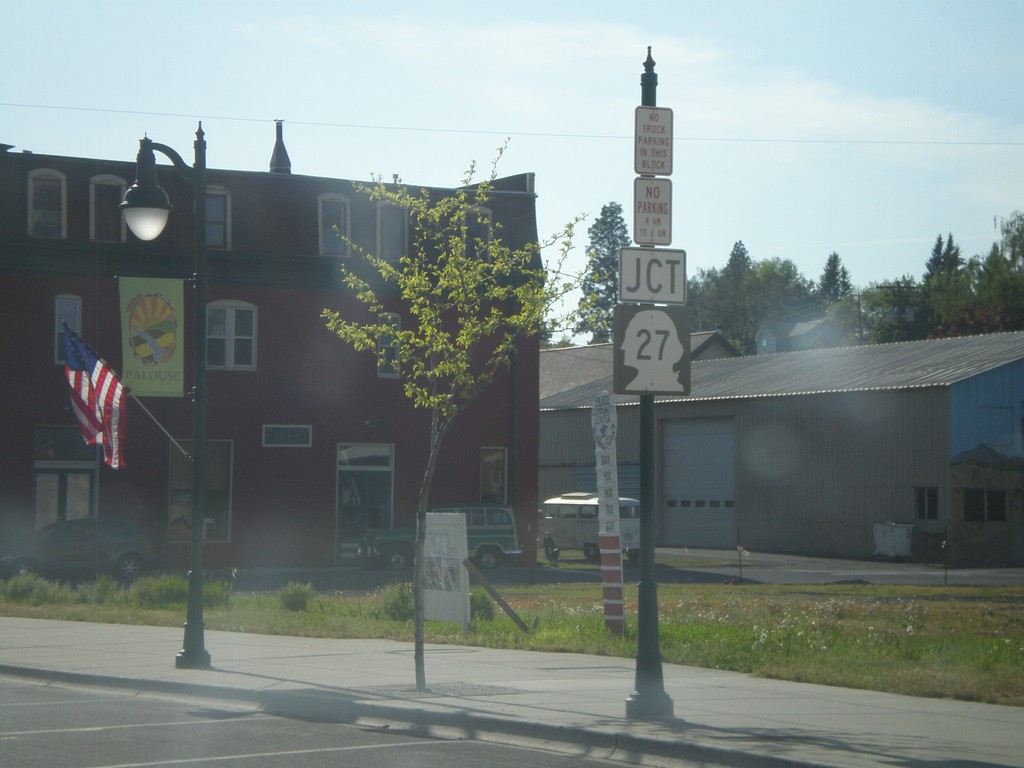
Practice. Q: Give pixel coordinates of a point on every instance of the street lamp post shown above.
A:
(146, 208)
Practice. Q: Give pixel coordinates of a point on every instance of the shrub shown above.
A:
(170, 591)
(296, 596)
(217, 594)
(104, 589)
(481, 607)
(33, 589)
(160, 591)
(396, 602)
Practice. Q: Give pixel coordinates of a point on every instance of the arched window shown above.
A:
(218, 217)
(334, 224)
(47, 204)
(479, 232)
(392, 227)
(106, 223)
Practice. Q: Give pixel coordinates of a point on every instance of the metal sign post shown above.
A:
(648, 699)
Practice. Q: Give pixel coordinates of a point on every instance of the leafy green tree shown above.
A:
(469, 298)
(744, 294)
(780, 293)
(600, 288)
(892, 311)
(983, 295)
(834, 283)
(847, 315)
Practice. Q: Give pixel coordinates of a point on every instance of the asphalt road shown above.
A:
(42, 726)
(675, 566)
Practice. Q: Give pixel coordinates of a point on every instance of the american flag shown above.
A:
(96, 397)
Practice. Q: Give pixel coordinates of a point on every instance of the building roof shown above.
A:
(796, 330)
(574, 376)
(565, 368)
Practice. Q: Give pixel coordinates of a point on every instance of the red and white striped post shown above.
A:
(609, 540)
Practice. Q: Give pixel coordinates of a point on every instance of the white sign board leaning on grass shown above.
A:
(445, 578)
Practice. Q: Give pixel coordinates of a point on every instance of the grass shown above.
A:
(948, 642)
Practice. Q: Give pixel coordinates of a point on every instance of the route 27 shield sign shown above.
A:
(652, 349)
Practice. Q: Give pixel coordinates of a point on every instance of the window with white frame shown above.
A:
(479, 232)
(106, 223)
(47, 204)
(365, 492)
(334, 223)
(218, 217)
(231, 335)
(391, 231)
(387, 348)
(66, 309)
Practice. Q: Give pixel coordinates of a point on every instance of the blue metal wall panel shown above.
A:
(987, 410)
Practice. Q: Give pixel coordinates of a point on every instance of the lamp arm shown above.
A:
(179, 164)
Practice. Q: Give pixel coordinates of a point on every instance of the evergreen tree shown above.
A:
(725, 298)
(834, 283)
(608, 234)
(945, 258)
(946, 287)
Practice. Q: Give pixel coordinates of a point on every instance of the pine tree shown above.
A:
(608, 234)
(834, 284)
(945, 258)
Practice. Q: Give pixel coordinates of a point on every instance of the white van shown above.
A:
(569, 521)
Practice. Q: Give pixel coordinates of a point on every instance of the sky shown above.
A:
(800, 127)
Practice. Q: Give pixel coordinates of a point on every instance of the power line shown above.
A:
(536, 134)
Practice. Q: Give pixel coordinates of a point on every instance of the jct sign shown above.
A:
(653, 142)
(654, 275)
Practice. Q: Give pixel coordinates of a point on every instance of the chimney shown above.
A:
(279, 162)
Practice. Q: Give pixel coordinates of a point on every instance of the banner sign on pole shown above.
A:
(152, 346)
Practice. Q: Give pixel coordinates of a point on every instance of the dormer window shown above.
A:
(106, 223)
(479, 233)
(391, 231)
(334, 225)
(47, 204)
(218, 217)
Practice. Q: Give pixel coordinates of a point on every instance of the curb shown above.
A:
(332, 707)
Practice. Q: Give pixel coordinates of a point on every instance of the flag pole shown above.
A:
(153, 418)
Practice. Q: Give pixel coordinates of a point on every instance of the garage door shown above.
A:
(699, 483)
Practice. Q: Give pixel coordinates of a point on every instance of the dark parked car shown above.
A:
(80, 547)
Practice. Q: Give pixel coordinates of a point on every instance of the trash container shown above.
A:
(893, 540)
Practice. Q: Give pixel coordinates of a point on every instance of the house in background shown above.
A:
(793, 337)
(814, 452)
(308, 442)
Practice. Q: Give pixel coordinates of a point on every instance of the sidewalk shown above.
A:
(574, 702)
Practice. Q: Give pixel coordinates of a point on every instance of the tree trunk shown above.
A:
(437, 431)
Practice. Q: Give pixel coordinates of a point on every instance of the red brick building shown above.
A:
(308, 442)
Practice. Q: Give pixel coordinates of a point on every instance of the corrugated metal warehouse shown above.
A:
(831, 452)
